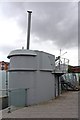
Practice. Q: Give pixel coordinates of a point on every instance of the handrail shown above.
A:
(62, 64)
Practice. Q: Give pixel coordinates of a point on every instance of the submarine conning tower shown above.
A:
(32, 70)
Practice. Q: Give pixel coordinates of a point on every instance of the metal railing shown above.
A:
(62, 64)
(18, 97)
(3, 99)
(14, 97)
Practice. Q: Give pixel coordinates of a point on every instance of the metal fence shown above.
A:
(13, 97)
(3, 99)
(17, 97)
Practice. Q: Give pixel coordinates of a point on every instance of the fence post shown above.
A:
(9, 102)
(7, 83)
(26, 97)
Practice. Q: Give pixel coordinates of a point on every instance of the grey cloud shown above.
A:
(5, 49)
(56, 21)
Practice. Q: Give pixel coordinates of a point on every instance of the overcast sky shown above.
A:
(54, 26)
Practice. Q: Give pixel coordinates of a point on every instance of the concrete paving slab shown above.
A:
(65, 106)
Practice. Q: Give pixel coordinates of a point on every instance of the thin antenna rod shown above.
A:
(28, 30)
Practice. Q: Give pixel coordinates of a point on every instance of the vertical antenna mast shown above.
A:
(28, 29)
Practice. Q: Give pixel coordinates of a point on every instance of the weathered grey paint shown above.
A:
(33, 71)
(23, 63)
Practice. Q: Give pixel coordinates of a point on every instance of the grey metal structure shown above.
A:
(33, 71)
(28, 31)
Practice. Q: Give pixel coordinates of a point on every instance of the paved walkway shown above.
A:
(65, 106)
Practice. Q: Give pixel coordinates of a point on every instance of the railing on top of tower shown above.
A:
(61, 64)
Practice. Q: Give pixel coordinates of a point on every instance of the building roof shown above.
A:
(74, 69)
(22, 52)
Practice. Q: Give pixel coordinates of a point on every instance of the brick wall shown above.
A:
(4, 65)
